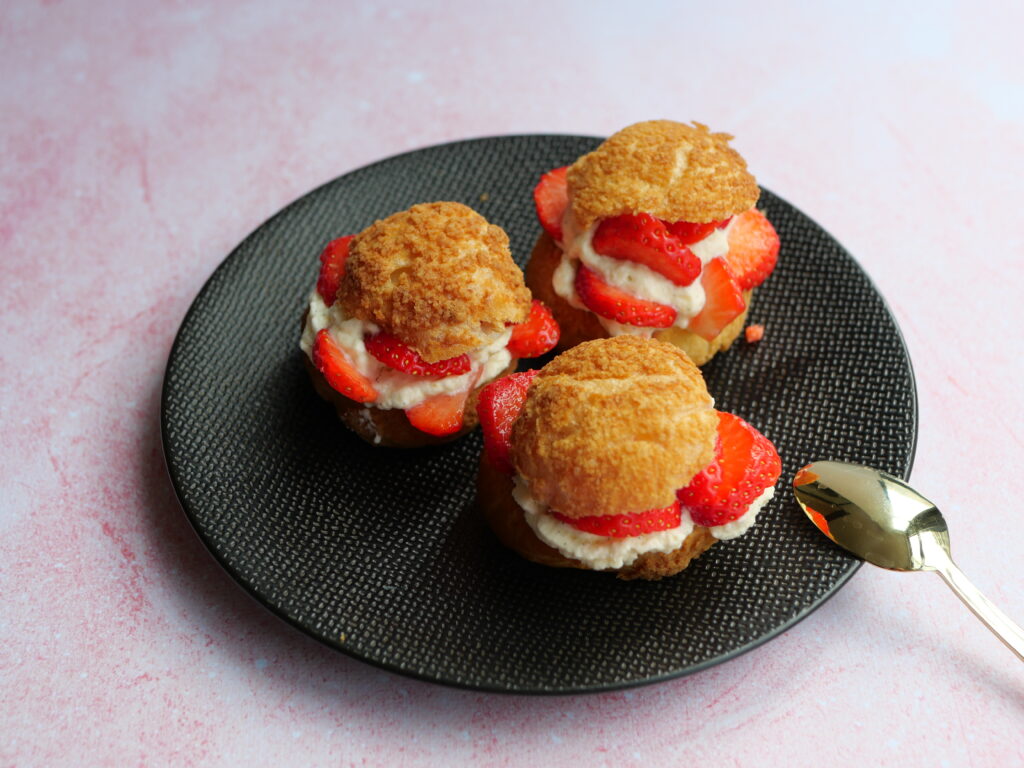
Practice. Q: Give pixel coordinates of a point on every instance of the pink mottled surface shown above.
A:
(141, 142)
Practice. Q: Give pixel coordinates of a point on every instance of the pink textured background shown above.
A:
(141, 142)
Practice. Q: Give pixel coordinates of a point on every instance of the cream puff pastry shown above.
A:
(412, 316)
(654, 233)
(612, 457)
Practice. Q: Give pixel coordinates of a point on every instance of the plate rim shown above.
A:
(248, 588)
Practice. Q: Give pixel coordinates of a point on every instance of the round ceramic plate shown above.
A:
(380, 553)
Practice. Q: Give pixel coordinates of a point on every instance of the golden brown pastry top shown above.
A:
(614, 426)
(437, 276)
(675, 171)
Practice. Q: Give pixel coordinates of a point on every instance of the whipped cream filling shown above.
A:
(596, 552)
(397, 389)
(636, 279)
(605, 552)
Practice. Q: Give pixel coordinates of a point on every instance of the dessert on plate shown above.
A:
(654, 233)
(412, 316)
(612, 457)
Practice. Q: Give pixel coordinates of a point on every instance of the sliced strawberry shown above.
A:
(332, 268)
(745, 464)
(498, 408)
(615, 304)
(537, 336)
(753, 333)
(753, 248)
(643, 239)
(398, 355)
(551, 196)
(439, 415)
(331, 361)
(623, 526)
(723, 300)
(690, 233)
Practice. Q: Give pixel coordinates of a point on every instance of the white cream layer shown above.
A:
(397, 389)
(603, 552)
(596, 552)
(636, 279)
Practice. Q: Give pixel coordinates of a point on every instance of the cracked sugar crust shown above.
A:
(614, 426)
(674, 171)
(438, 276)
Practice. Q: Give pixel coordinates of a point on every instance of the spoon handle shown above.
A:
(1005, 629)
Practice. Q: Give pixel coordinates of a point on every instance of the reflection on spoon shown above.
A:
(883, 520)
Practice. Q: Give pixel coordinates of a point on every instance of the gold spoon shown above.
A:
(883, 520)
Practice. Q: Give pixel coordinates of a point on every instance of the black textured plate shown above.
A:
(378, 553)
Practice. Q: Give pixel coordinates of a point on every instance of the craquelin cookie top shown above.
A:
(438, 276)
(674, 171)
(613, 426)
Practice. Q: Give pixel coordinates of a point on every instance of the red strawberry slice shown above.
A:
(332, 268)
(623, 526)
(498, 408)
(331, 361)
(643, 239)
(439, 415)
(753, 248)
(537, 336)
(745, 464)
(610, 302)
(723, 300)
(551, 197)
(398, 355)
(689, 233)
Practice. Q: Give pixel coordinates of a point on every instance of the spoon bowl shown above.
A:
(881, 519)
(876, 516)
